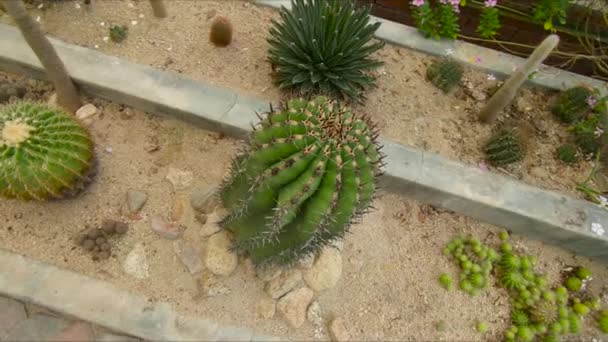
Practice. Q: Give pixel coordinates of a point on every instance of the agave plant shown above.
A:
(321, 46)
(310, 169)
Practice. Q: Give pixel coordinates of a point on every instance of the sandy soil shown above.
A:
(408, 108)
(388, 289)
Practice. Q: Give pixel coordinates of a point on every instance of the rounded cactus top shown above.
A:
(44, 152)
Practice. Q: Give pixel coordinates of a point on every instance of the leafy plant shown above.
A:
(437, 22)
(44, 152)
(445, 74)
(118, 33)
(567, 153)
(489, 22)
(425, 18)
(449, 26)
(505, 147)
(548, 12)
(310, 169)
(322, 47)
(586, 133)
(220, 33)
(572, 104)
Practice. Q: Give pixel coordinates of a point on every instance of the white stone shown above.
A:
(338, 331)
(179, 179)
(189, 256)
(313, 314)
(294, 304)
(203, 199)
(266, 308)
(326, 271)
(284, 283)
(220, 259)
(136, 200)
(136, 263)
(86, 111)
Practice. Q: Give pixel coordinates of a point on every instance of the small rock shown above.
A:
(313, 314)
(136, 200)
(164, 229)
(86, 111)
(294, 304)
(266, 308)
(210, 286)
(284, 283)
(189, 256)
(267, 273)
(203, 199)
(522, 105)
(306, 262)
(211, 225)
(179, 179)
(136, 263)
(338, 331)
(220, 259)
(539, 172)
(179, 207)
(326, 270)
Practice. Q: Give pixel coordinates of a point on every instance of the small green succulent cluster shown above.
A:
(44, 152)
(586, 135)
(310, 169)
(118, 33)
(602, 321)
(505, 147)
(567, 153)
(321, 47)
(572, 105)
(445, 74)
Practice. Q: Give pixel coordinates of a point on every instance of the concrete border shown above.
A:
(492, 61)
(46, 285)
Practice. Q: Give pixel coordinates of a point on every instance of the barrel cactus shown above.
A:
(44, 152)
(572, 104)
(445, 74)
(505, 147)
(321, 47)
(309, 170)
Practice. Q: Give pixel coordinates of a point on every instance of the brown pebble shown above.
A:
(100, 241)
(88, 244)
(104, 255)
(121, 227)
(108, 226)
(105, 247)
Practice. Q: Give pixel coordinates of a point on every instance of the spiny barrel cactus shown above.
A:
(505, 147)
(44, 152)
(321, 46)
(310, 169)
(445, 74)
(572, 105)
(220, 33)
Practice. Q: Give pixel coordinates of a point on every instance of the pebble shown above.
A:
(179, 179)
(294, 305)
(136, 200)
(189, 256)
(179, 207)
(136, 263)
(326, 271)
(313, 314)
(284, 283)
(210, 226)
(268, 273)
(220, 259)
(164, 229)
(266, 308)
(210, 286)
(338, 331)
(86, 111)
(203, 199)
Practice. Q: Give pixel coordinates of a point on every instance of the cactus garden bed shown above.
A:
(407, 108)
(382, 285)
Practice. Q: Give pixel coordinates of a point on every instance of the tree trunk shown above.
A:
(67, 95)
(159, 8)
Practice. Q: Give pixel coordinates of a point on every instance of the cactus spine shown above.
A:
(44, 152)
(507, 92)
(309, 170)
(445, 74)
(572, 104)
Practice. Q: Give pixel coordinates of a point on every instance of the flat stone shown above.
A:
(266, 308)
(338, 330)
(136, 200)
(86, 111)
(294, 304)
(75, 332)
(179, 179)
(220, 259)
(326, 271)
(37, 328)
(189, 255)
(11, 313)
(204, 199)
(164, 229)
(284, 283)
(267, 273)
(136, 263)
(178, 210)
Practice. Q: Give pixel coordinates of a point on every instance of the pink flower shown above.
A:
(478, 60)
(591, 101)
(417, 3)
(490, 3)
(483, 166)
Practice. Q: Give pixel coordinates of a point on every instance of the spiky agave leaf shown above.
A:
(44, 152)
(321, 47)
(309, 171)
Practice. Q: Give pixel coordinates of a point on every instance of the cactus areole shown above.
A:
(310, 169)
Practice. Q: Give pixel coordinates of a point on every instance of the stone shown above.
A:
(284, 283)
(136, 200)
(136, 263)
(338, 331)
(326, 271)
(220, 258)
(203, 199)
(179, 179)
(266, 308)
(523, 105)
(37, 328)
(306, 262)
(86, 111)
(189, 255)
(179, 207)
(313, 313)
(165, 229)
(11, 313)
(75, 332)
(294, 304)
(210, 226)
(267, 273)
